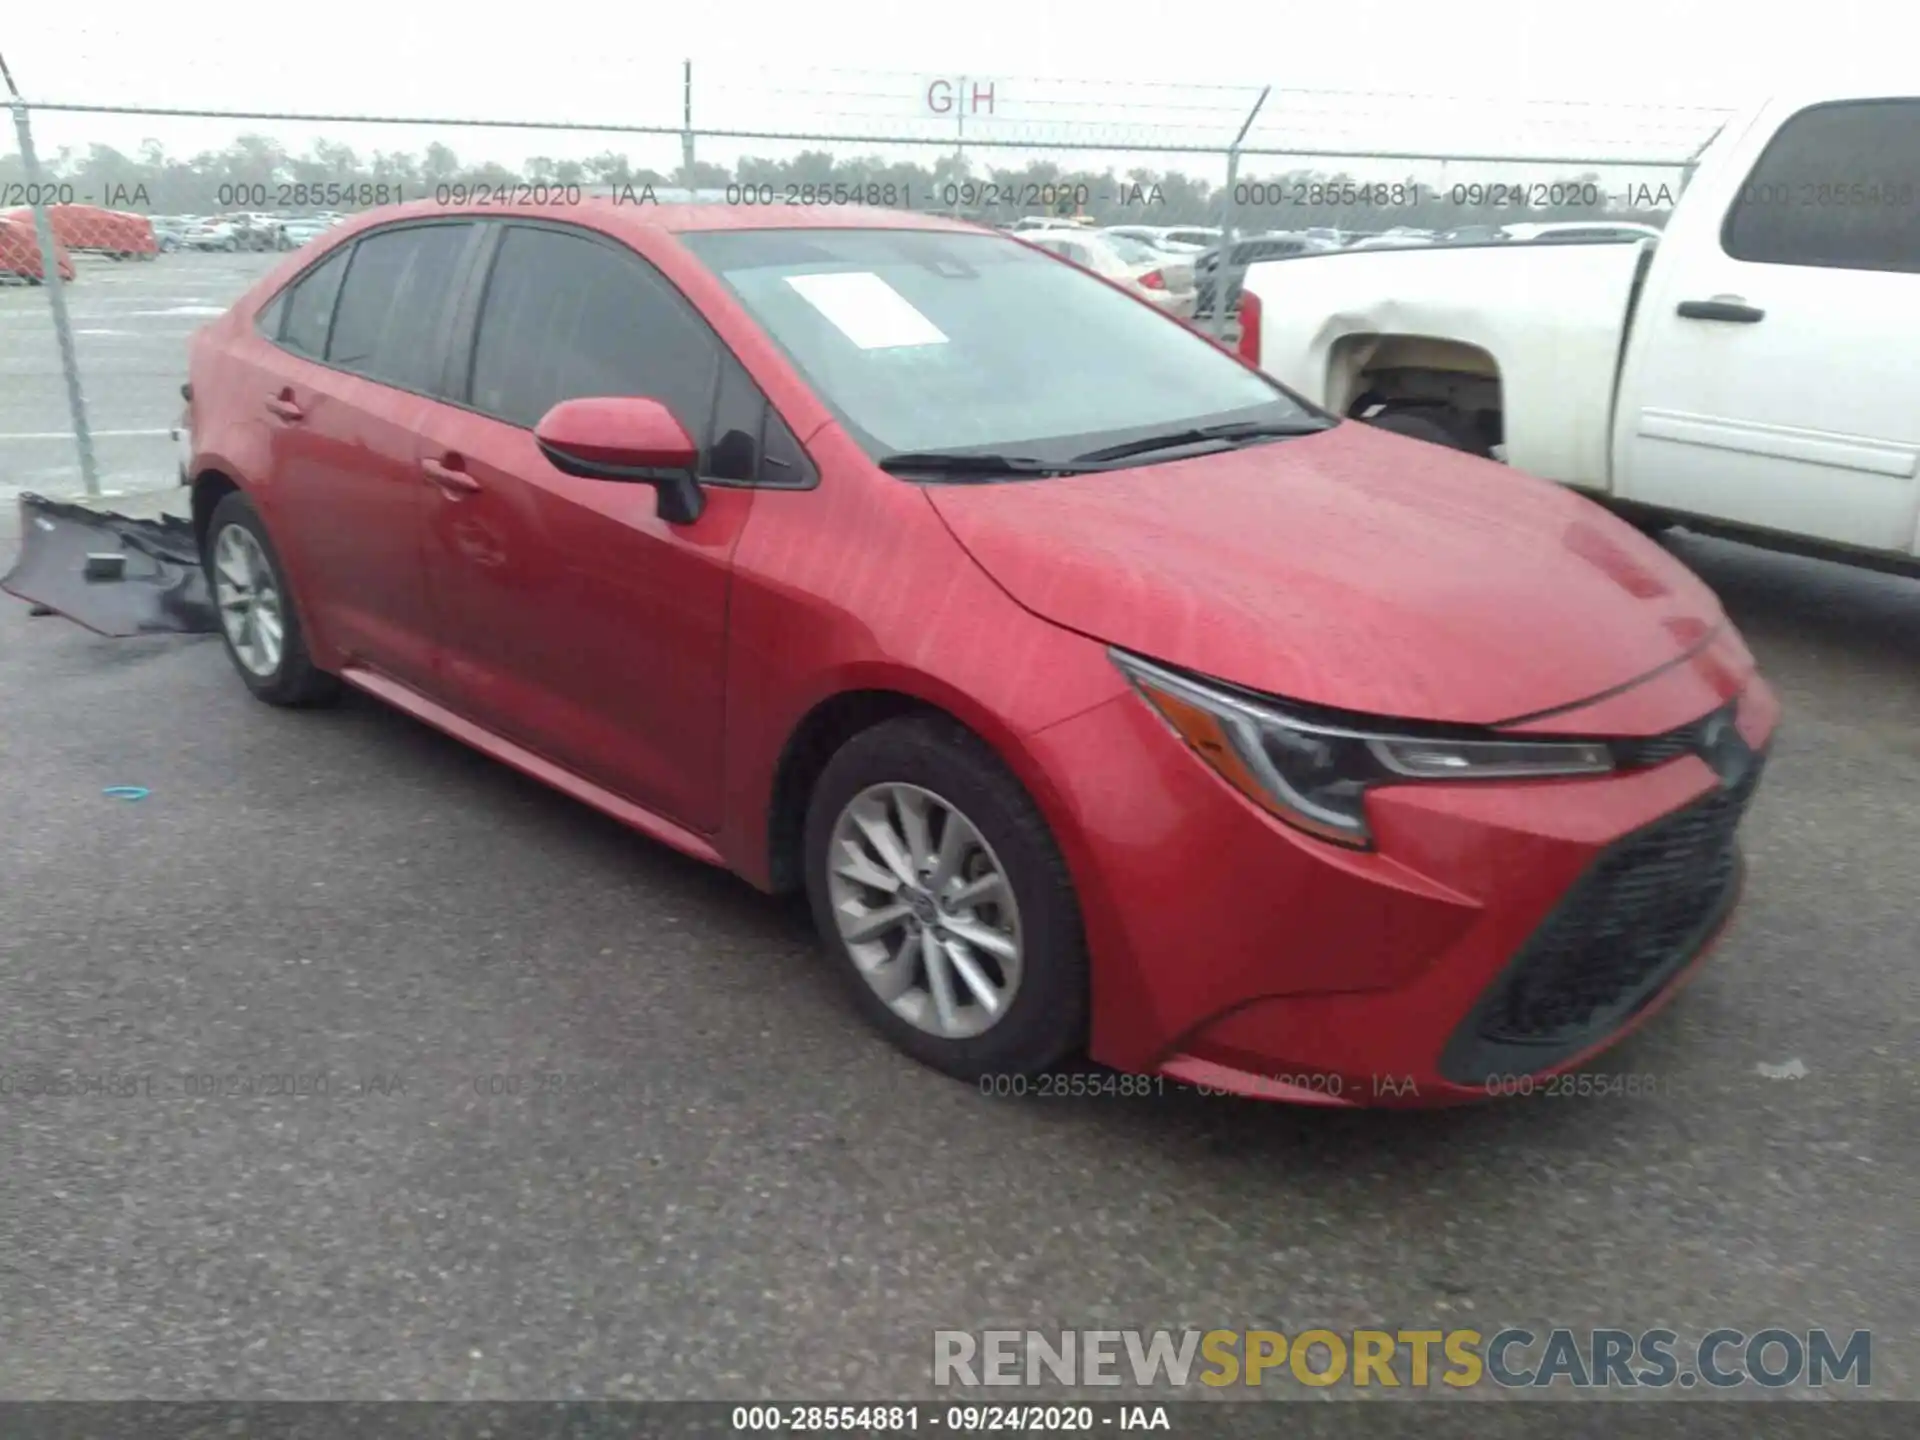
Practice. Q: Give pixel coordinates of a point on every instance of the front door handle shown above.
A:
(1733, 311)
(450, 478)
(283, 405)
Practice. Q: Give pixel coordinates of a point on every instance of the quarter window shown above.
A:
(310, 307)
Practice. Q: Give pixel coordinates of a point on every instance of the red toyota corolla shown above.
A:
(1102, 695)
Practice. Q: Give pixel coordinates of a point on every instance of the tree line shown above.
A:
(255, 172)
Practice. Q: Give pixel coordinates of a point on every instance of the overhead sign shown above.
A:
(957, 95)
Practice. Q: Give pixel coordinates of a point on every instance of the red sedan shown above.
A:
(1103, 696)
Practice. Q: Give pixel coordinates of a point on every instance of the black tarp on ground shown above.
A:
(163, 588)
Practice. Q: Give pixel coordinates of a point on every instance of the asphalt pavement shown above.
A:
(130, 322)
(598, 1122)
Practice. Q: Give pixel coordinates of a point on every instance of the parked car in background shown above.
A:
(20, 257)
(788, 537)
(1204, 236)
(210, 235)
(253, 231)
(1474, 235)
(299, 232)
(1160, 237)
(1741, 376)
(1053, 222)
(1401, 240)
(1582, 230)
(91, 229)
(1163, 280)
(170, 231)
(1252, 250)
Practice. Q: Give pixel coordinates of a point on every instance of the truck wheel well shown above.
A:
(827, 727)
(1462, 382)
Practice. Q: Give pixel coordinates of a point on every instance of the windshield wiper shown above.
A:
(1208, 434)
(953, 462)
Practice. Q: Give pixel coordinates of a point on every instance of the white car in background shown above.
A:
(1164, 281)
(210, 235)
(299, 231)
(1173, 239)
(1028, 223)
(1397, 238)
(1583, 230)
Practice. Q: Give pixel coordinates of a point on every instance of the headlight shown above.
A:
(1315, 776)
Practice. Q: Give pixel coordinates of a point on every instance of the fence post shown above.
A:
(1229, 221)
(686, 120)
(56, 296)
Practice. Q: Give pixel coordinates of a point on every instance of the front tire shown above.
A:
(258, 620)
(938, 889)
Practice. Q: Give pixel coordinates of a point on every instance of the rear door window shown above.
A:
(392, 304)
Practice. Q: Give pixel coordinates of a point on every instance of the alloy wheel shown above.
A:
(926, 910)
(248, 595)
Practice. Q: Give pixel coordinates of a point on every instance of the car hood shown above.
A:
(1354, 569)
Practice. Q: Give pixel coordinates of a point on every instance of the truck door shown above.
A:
(1769, 380)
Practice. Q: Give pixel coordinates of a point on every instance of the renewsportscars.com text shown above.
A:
(1598, 1358)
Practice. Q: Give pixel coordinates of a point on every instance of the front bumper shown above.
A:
(1499, 932)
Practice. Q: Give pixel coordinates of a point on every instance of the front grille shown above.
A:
(1637, 916)
(1689, 739)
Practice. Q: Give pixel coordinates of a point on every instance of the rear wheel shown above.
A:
(937, 886)
(258, 621)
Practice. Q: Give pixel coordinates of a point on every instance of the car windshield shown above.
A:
(935, 340)
(1132, 250)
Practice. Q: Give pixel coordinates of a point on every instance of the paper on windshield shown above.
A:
(867, 310)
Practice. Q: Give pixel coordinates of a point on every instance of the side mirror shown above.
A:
(628, 438)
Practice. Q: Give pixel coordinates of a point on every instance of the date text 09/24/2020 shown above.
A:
(1588, 1084)
(910, 1418)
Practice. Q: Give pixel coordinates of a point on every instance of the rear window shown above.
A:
(934, 340)
(1134, 251)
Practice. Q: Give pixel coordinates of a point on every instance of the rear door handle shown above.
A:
(451, 479)
(285, 408)
(1733, 311)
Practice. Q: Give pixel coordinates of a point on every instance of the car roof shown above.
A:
(674, 217)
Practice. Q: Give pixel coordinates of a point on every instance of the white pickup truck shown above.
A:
(1754, 372)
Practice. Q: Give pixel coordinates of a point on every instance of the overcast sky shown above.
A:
(1630, 78)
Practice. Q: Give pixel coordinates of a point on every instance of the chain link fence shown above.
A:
(123, 227)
